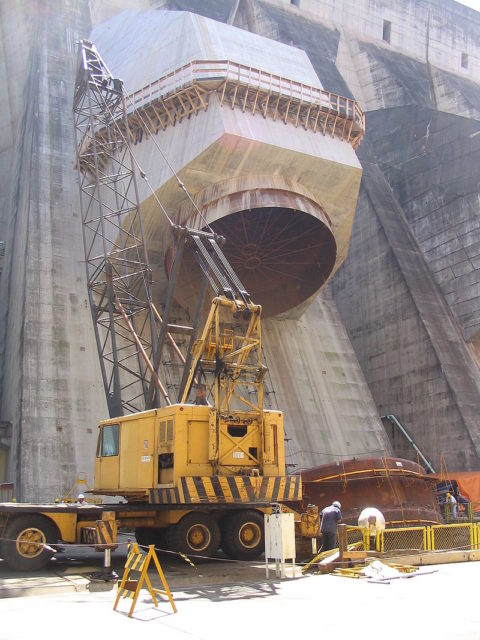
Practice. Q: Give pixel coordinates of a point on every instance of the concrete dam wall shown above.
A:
(395, 330)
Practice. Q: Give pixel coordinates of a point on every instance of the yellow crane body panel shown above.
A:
(188, 454)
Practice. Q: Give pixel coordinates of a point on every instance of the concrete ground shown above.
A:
(80, 569)
(235, 600)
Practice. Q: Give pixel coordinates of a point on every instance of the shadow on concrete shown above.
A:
(81, 569)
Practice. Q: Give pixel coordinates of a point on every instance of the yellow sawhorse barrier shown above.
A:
(138, 561)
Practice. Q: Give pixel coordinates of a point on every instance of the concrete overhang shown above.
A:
(268, 160)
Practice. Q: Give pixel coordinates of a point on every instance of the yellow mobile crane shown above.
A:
(194, 475)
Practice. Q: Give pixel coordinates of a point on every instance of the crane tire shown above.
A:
(243, 535)
(196, 534)
(145, 536)
(22, 549)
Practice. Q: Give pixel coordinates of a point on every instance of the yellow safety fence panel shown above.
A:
(405, 538)
(440, 537)
(358, 535)
(453, 536)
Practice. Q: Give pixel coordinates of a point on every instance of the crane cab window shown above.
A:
(107, 445)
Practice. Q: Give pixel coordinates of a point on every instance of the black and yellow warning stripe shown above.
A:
(103, 534)
(106, 532)
(230, 490)
(89, 535)
(135, 560)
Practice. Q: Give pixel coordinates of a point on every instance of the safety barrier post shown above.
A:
(366, 539)
(429, 546)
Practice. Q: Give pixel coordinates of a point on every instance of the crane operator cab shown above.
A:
(168, 448)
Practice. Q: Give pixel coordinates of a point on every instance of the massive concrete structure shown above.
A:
(246, 133)
(406, 299)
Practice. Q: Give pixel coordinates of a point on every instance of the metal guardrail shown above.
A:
(403, 538)
(441, 537)
(454, 536)
(186, 90)
(216, 72)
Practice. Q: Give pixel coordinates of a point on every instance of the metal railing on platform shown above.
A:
(215, 72)
(187, 90)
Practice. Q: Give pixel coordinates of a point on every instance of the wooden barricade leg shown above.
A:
(164, 582)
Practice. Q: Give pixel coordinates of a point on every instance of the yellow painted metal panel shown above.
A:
(137, 459)
(107, 472)
(66, 523)
(197, 442)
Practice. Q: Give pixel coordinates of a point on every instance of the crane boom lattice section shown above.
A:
(130, 333)
(117, 266)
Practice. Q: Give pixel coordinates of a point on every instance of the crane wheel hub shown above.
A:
(249, 535)
(30, 542)
(198, 537)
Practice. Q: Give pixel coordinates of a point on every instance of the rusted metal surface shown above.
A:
(6, 491)
(399, 488)
(280, 244)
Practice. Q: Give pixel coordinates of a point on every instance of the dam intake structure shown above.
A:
(257, 150)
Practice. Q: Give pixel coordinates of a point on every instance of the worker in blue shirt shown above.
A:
(331, 516)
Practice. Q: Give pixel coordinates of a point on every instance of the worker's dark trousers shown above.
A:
(329, 541)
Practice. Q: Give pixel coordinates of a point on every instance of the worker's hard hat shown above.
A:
(81, 496)
(336, 504)
(448, 495)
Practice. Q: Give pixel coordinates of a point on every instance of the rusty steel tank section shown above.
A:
(399, 488)
(265, 153)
